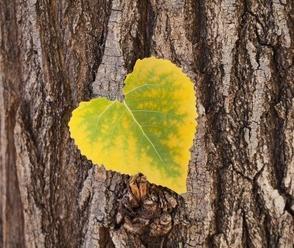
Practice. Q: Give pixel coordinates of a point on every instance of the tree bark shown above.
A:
(54, 54)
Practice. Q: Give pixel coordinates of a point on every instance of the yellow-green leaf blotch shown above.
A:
(150, 131)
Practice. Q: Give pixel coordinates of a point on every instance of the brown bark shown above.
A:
(54, 54)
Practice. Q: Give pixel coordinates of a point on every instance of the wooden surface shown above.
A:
(54, 54)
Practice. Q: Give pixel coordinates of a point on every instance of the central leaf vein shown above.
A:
(142, 130)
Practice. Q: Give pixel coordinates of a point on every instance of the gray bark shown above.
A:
(54, 54)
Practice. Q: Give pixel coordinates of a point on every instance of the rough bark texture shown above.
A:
(54, 54)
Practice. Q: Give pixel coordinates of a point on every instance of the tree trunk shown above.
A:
(54, 54)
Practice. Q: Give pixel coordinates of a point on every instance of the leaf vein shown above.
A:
(142, 130)
(141, 86)
(103, 112)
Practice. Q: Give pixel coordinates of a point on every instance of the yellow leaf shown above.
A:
(150, 131)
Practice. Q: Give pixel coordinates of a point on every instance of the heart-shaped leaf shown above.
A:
(150, 131)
